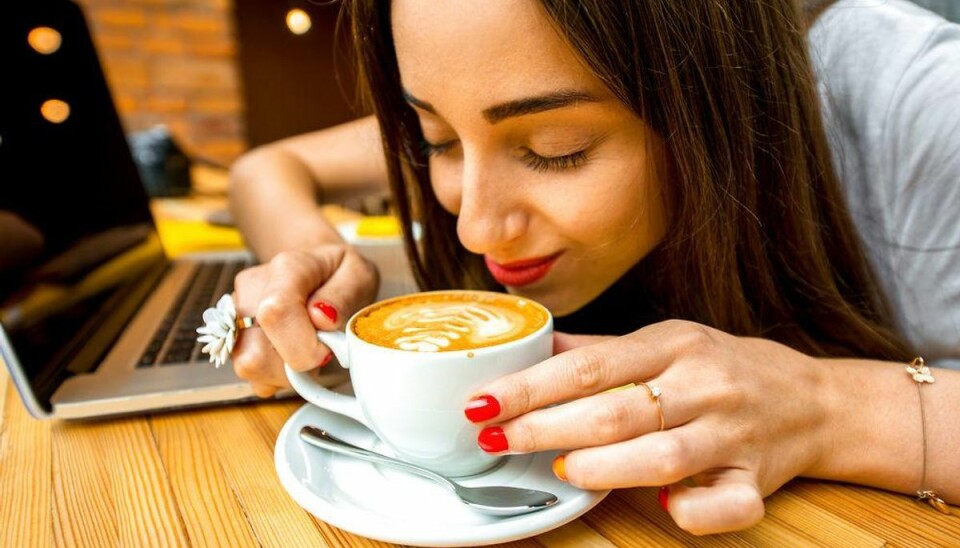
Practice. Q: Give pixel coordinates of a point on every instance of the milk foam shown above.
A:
(434, 326)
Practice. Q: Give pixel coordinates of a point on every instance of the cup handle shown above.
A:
(320, 396)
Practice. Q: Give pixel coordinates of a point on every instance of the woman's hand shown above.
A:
(742, 417)
(291, 297)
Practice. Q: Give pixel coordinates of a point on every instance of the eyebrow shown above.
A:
(519, 107)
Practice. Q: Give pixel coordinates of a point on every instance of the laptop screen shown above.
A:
(77, 242)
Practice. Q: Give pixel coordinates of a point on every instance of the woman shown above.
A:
(656, 172)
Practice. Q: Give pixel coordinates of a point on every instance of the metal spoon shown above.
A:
(498, 501)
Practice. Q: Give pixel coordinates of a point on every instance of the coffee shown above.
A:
(410, 385)
(446, 321)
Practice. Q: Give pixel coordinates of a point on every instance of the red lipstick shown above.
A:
(523, 272)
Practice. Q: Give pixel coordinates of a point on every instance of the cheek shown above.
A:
(604, 226)
(622, 199)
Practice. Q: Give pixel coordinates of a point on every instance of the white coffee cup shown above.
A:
(414, 401)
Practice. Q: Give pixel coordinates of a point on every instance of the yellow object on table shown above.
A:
(190, 236)
(183, 226)
(381, 226)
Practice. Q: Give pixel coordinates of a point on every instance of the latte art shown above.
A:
(447, 321)
(431, 327)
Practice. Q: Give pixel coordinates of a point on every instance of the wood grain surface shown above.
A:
(206, 478)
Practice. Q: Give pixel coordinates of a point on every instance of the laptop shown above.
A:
(95, 319)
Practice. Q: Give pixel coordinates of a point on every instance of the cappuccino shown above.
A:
(446, 321)
(411, 383)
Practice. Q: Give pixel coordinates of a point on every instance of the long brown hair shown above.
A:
(760, 242)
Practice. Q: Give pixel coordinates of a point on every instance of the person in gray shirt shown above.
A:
(949, 9)
(889, 78)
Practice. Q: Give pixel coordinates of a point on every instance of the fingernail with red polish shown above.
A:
(327, 310)
(482, 408)
(664, 497)
(492, 440)
(326, 360)
(560, 467)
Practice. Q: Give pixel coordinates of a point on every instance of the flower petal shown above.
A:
(211, 316)
(226, 306)
(217, 345)
(219, 330)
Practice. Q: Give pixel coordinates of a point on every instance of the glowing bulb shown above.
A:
(44, 40)
(298, 21)
(55, 110)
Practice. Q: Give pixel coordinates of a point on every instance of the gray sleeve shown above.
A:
(919, 161)
(949, 9)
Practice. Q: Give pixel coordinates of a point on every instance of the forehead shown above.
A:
(454, 50)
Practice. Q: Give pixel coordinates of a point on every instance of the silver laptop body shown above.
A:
(84, 282)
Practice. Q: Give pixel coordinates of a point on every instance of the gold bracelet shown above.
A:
(921, 374)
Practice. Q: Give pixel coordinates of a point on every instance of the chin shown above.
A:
(559, 303)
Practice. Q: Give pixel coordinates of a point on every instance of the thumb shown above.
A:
(566, 341)
(731, 502)
(352, 286)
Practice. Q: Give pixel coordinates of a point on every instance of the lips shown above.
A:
(523, 272)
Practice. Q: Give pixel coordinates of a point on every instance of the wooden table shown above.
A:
(206, 478)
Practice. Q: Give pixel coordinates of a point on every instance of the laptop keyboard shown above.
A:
(175, 341)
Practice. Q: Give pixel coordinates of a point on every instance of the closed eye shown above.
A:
(533, 160)
(430, 149)
(540, 163)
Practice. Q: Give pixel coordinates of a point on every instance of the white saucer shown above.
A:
(383, 504)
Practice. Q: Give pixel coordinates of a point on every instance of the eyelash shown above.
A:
(544, 164)
(430, 149)
(533, 160)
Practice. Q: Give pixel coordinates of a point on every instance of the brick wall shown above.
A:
(173, 62)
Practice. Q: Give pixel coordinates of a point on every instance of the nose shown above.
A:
(492, 212)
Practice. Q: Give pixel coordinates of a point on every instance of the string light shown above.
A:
(55, 111)
(298, 21)
(44, 40)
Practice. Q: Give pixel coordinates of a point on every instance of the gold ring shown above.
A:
(654, 392)
(245, 322)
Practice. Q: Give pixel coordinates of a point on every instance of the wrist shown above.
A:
(836, 426)
(871, 436)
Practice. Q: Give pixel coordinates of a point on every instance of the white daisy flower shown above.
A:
(219, 333)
